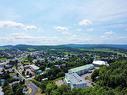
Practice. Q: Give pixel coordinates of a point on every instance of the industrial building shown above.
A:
(74, 80)
(82, 69)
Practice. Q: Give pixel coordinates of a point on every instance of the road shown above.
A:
(29, 84)
(88, 81)
(16, 71)
(34, 88)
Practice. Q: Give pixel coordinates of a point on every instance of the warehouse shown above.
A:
(74, 80)
(82, 69)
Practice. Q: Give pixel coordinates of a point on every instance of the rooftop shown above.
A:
(34, 67)
(81, 68)
(74, 78)
(1, 92)
(99, 62)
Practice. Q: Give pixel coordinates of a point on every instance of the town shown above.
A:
(31, 71)
(63, 47)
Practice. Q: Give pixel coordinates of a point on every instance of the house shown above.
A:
(1, 69)
(1, 92)
(33, 67)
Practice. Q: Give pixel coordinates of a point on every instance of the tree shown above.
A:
(42, 68)
(49, 87)
(23, 73)
(7, 89)
(63, 89)
(55, 92)
(17, 74)
(95, 74)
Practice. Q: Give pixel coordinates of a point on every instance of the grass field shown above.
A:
(3, 58)
(31, 49)
(103, 50)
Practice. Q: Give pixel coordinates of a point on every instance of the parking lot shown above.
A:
(87, 78)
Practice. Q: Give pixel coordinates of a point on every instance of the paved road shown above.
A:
(89, 82)
(29, 84)
(33, 87)
(20, 74)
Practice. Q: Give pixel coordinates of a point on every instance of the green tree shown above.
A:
(49, 87)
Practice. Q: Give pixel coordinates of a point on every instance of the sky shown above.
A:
(55, 22)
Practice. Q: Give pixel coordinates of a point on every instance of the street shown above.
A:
(33, 87)
(29, 84)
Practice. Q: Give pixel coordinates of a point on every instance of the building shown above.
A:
(1, 69)
(74, 80)
(1, 92)
(33, 67)
(82, 69)
(100, 63)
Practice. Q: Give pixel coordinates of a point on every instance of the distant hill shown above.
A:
(73, 46)
(96, 46)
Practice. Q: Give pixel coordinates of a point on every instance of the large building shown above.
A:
(33, 67)
(100, 63)
(74, 80)
(82, 69)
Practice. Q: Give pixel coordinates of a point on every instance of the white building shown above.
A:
(34, 67)
(74, 80)
(100, 63)
(1, 92)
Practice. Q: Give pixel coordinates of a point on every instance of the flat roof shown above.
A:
(81, 68)
(99, 62)
(34, 67)
(74, 78)
(1, 92)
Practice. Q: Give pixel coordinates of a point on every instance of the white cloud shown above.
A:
(108, 33)
(23, 38)
(85, 22)
(63, 30)
(90, 30)
(13, 24)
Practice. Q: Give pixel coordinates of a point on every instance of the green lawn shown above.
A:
(103, 50)
(3, 48)
(31, 49)
(3, 58)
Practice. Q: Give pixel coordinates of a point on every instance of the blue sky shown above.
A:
(52, 22)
